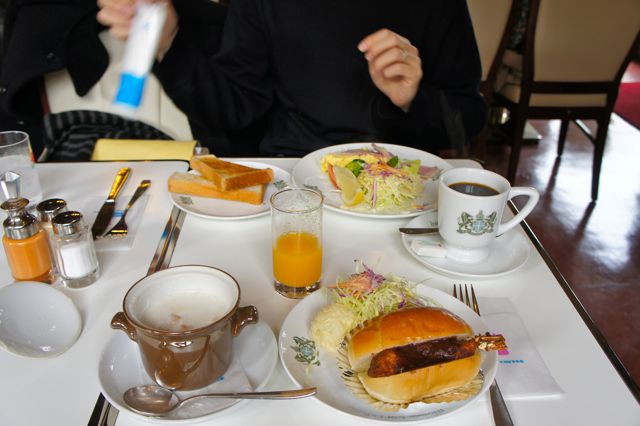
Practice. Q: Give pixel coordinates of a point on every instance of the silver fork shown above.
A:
(121, 229)
(501, 414)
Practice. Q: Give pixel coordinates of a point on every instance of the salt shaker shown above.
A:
(25, 243)
(74, 252)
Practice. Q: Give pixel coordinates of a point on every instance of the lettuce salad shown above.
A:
(389, 184)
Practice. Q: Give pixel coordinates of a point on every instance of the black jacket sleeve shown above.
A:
(230, 89)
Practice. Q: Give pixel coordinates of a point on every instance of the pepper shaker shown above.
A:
(74, 252)
(47, 210)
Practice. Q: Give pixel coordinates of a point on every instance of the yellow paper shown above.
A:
(142, 149)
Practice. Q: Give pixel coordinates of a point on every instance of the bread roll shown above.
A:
(405, 327)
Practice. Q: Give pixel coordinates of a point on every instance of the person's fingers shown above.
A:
(126, 7)
(383, 40)
(374, 38)
(402, 71)
(114, 13)
(392, 56)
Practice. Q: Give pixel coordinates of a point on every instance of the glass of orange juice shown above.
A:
(296, 217)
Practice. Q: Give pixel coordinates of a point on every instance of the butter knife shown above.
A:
(418, 231)
(106, 211)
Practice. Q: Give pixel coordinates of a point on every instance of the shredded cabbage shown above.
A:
(390, 189)
(390, 295)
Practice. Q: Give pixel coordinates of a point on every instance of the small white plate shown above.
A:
(326, 377)
(121, 368)
(508, 253)
(307, 172)
(37, 320)
(213, 208)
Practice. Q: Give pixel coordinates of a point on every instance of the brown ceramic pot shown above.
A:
(184, 319)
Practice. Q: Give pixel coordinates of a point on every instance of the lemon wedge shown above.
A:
(351, 190)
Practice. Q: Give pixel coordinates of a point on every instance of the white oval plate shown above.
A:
(213, 208)
(37, 320)
(508, 253)
(120, 368)
(307, 172)
(326, 377)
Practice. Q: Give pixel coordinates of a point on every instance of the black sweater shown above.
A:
(296, 64)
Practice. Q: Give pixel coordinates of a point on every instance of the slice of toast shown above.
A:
(192, 184)
(228, 176)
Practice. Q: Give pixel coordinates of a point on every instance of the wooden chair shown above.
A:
(575, 55)
(492, 22)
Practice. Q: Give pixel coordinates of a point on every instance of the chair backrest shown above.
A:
(156, 109)
(492, 20)
(583, 40)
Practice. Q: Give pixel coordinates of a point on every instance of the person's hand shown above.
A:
(394, 65)
(118, 14)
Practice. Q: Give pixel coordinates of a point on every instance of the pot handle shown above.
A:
(120, 322)
(243, 316)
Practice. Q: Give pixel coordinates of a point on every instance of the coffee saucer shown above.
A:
(507, 254)
(120, 368)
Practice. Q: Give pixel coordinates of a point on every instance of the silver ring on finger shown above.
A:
(405, 55)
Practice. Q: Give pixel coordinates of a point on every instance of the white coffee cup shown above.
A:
(470, 207)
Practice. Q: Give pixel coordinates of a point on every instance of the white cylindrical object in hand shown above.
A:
(140, 50)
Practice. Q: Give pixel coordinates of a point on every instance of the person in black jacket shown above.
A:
(41, 37)
(324, 72)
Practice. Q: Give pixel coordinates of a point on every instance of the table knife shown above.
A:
(418, 231)
(107, 209)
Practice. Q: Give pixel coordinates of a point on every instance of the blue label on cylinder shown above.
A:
(130, 90)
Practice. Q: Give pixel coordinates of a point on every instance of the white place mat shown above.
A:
(522, 372)
(134, 218)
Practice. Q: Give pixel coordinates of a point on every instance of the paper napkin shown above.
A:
(134, 218)
(142, 149)
(522, 372)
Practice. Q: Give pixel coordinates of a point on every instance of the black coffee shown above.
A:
(471, 188)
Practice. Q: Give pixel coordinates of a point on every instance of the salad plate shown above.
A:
(332, 391)
(213, 208)
(308, 172)
(509, 252)
(255, 358)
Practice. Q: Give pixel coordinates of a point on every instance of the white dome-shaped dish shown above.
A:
(37, 320)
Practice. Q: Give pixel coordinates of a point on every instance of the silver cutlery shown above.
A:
(154, 400)
(121, 229)
(418, 231)
(106, 211)
(501, 414)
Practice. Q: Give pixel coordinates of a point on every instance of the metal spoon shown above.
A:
(418, 231)
(154, 400)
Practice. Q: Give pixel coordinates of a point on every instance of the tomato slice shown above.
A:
(332, 176)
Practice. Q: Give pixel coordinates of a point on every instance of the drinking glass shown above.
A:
(296, 215)
(16, 156)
